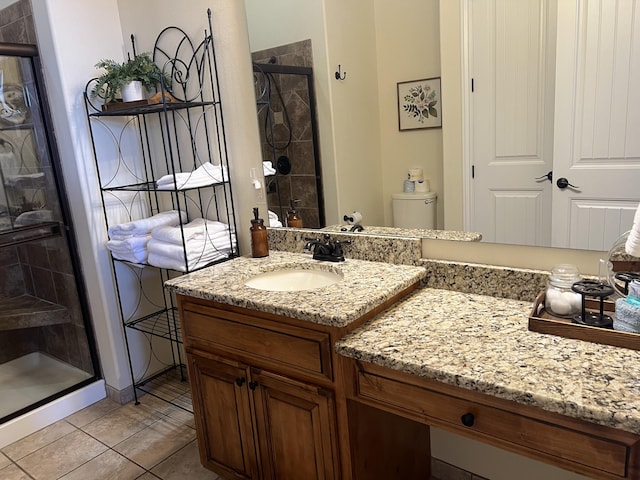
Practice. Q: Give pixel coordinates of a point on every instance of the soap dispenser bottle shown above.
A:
(293, 219)
(259, 243)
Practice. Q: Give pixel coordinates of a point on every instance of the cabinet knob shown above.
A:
(253, 385)
(467, 419)
(240, 381)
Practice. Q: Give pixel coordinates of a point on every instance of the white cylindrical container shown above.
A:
(414, 210)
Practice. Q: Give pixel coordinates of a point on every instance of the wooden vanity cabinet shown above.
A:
(262, 392)
(593, 450)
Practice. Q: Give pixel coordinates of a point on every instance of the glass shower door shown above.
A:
(46, 344)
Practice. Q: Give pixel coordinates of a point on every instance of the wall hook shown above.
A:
(340, 75)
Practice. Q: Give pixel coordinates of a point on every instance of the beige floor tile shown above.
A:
(184, 464)
(120, 424)
(181, 416)
(155, 443)
(62, 456)
(39, 439)
(4, 461)
(92, 412)
(12, 472)
(148, 476)
(106, 466)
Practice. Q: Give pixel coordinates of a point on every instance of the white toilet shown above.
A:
(414, 210)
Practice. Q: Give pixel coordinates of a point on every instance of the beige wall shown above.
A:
(408, 48)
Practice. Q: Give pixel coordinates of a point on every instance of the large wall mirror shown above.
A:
(549, 151)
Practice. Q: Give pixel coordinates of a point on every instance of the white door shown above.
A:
(597, 122)
(511, 45)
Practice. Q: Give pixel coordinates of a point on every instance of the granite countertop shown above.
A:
(409, 232)
(482, 343)
(364, 286)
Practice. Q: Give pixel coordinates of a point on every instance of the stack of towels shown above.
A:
(627, 317)
(201, 241)
(128, 241)
(274, 221)
(163, 242)
(204, 175)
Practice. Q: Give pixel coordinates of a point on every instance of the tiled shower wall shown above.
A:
(301, 182)
(41, 269)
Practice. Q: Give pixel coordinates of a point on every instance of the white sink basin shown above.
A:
(293, 279)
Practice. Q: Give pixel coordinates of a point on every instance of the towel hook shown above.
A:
(340, 75)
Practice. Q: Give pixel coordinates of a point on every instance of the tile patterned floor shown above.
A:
(153, 440)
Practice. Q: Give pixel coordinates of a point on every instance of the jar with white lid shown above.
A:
(560, 299)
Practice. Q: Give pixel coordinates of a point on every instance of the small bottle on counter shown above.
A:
(560, 299)
(293, 219)
(259, 242)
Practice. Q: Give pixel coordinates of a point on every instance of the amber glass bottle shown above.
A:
(259, 242)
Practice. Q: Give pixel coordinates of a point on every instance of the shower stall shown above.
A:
(46, 343)
(286, 113)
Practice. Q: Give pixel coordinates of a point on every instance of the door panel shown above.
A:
(511, 139)
(296, 426)
(223, 417)
(597, 146)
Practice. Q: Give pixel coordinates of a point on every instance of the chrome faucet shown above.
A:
(326, 249)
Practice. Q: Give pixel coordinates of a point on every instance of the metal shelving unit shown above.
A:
(136, 144)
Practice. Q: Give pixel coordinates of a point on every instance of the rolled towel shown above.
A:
(138, 255)
(632, 245)
(197, 229)
(274, 221)
(173, 263)
(204, 175)
(129, 243)
(267, 169)
(627, 317)
(145, 225)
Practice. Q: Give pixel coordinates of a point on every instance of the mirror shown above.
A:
(355, 38)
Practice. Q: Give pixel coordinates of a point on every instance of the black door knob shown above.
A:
(253, 385)
(240, 381)
(467, 419)
(564, 183)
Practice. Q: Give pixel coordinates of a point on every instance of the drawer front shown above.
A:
(466, 416)
(261, 341)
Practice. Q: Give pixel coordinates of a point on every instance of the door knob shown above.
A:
(548, 176)
(253, 385)
(240, 381)
(564, 183)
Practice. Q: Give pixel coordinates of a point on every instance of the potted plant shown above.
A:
(117, 77)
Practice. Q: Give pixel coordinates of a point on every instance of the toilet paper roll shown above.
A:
(353, 218)
(422, 185)
(416, 174)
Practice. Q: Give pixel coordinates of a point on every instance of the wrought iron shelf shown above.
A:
(163, 324)
(170, 385)
(122, 110)
(151, 187)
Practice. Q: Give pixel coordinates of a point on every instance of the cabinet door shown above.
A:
(222, 410)
(296, 428)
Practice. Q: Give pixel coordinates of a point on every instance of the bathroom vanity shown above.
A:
(264, 375)
(345, 381)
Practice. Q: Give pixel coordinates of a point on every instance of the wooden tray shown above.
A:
(542, 321)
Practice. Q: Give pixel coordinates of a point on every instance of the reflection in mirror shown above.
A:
(534, 212)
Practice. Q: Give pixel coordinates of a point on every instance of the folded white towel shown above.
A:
(145, 225)
(129, 243)
(33, 217)
(204, 175)
(138, 255)
(199, 228)
(267, 169)
(169, 262)
(194, 248)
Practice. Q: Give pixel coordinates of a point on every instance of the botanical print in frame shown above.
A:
(419, 104)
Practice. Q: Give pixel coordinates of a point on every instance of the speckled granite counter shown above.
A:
(364, 286)
(482, 343)
(409, 232)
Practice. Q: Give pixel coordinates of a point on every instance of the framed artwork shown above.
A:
(419, 104)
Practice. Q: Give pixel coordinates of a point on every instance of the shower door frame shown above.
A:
(30, 52)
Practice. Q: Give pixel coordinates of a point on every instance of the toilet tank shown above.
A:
(414, 210)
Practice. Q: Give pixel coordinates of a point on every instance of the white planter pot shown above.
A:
(132, 91)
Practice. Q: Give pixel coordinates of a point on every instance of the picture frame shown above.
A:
(419, 104)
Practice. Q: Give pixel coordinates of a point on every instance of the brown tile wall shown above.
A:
(301, 182)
